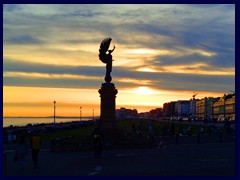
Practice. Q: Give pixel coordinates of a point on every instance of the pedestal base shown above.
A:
(107, 121)
(108, 95)
(113, 137)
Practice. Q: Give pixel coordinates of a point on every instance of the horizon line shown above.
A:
(48, 116)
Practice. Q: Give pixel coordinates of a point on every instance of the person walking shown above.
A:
(98, 141)
(35, 145)
(150, 134)
(172, 129)
(21, 152)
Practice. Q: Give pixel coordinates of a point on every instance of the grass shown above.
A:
(124, 125)
(156, 125)
(78, 133)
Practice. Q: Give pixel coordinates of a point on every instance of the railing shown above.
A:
(195, 139)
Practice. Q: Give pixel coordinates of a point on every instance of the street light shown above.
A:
(54, 111)
(80, 113)
(93, 114)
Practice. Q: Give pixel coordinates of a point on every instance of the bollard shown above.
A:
(198, 138)
(177, 138)
(5, 163)
(220, 134)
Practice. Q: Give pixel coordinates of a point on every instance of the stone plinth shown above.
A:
(108, 95)
(108, 106)
(113, 137)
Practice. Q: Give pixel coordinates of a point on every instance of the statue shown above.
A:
(108, 92)
(106, 58)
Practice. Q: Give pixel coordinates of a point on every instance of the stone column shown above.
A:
(108, 105)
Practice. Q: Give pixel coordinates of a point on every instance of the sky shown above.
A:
(164, 52)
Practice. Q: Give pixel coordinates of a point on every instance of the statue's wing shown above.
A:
(105, 45)
(103, 49)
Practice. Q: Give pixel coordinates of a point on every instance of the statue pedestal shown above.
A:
(107, 121)
(113, 138)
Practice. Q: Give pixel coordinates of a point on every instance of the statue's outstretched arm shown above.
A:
(113, 48)
(110, 51)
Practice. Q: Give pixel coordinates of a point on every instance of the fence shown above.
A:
(195, 139)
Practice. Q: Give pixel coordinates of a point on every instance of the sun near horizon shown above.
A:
(38, 101)
(164, 52)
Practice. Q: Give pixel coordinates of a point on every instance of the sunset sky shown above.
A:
(164, 52)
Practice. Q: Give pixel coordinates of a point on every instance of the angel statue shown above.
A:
(106, 58)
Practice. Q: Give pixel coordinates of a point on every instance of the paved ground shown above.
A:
(210, 159)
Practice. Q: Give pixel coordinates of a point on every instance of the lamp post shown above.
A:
(93, 114)
(80, 113)
(54, 112)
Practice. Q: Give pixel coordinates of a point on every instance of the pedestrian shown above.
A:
(165, 130)
(98, 142)
(133, 128)
(180, 130)
(21, 152)
(35, 145)
(189, 130)
(139, 126)
(156, 131)
(172, 129)
(201, 130)
(150, 128)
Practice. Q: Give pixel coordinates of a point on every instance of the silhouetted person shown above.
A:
(180, 130)
(35, 145)
(189, 130)
(133, 128)
(172, 129)
(98, 142)
(165, 130)
(204, 121)
(139, 125)
(156, 131)
(21, 151)
(227, 126)
(150, 129)
(201, 130)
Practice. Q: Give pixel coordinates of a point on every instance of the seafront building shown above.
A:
(208, 108)
(192, 110)
(182, 108)
(169, 110)
(124, 113)
(204, 108)
(156, 114)
(224, 108)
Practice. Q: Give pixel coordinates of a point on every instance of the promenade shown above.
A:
(209, 159)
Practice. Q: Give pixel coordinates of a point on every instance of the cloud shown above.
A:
(13, 66)
(11, 8)
(218, 61)
(30, 74)
(184, 46)
(25, 39)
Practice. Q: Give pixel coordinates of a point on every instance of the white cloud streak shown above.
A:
(164, 38)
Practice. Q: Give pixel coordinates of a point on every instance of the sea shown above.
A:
(23, 121)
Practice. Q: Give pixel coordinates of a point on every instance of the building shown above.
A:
(182, 108)
(144, 115)
(230, 107)
(169, 110)
(192, 110)
(204, 108)
(156, 113)
(124, 113)
(224, 107)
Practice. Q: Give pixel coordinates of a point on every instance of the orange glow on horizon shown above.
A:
(38, 101)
